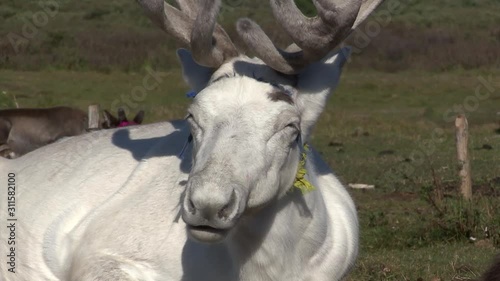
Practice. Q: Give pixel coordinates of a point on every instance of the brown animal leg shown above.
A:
(6, 152)
(493, 274)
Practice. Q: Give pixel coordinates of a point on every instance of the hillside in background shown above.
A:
(115, 35)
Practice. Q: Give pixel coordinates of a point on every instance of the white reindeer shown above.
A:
(225, 210)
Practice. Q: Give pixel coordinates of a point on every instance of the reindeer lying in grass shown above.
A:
(25, 129)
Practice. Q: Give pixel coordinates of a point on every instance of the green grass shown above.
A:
(123, 12)
(79, 89)
(448, 261)
(400, 241)
(372, 112)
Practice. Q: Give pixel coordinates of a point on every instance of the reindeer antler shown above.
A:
(209, 43)
(314, 37)
(195, 25)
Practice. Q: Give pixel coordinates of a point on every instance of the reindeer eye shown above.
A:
(192, 122)
(292, 126)
(293, 129)
(189, 117)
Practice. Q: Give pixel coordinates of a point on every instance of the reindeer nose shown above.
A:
(206, 207)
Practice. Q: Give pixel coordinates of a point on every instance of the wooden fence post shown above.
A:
(94, 120)
(462, 137)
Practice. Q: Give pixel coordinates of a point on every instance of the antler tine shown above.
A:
(168, 18)
(189, 7)
(261, 44)
(366, 9)
(209, 48)
(316, 37)
(205, 50)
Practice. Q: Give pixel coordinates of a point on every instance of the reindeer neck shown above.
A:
(280, 241)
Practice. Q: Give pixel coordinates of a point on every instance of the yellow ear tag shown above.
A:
(300, 181)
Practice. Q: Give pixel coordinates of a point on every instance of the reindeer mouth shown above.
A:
(206, 234)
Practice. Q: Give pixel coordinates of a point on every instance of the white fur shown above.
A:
(113, 211)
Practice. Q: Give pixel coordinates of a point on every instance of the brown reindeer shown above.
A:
(25, 129)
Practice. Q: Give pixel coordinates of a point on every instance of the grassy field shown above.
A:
(390, 122)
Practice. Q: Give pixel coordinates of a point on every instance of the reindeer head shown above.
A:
(111, 121)
(251, 115)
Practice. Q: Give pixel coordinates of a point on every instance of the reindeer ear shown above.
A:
(195, 75)
(315, 83)
(109, 120)
(139, 117)
(122, 117)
